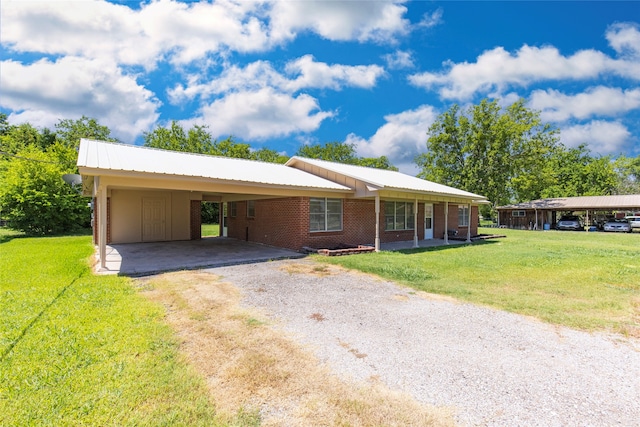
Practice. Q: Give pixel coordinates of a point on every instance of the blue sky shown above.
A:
(282, 74)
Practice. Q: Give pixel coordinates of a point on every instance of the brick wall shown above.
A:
(195, 218)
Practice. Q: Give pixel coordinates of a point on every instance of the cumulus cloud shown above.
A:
(602, 137)
(399, 60)
(302, 73)
(261, 114)
(45, 92)
(431, 19)
(496, 70)
(401, 138)
(379, 21)
(624, 37)
(556, 106)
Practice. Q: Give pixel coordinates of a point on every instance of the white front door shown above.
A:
(428, 221)
(153, 219)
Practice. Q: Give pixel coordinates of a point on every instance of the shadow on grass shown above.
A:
(8, 234)
(444, 247)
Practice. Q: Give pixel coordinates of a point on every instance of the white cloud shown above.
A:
(401, 138)
(556, 106)
(602, 137)
(399, 60)
(186, 32)
(496, 70)
(261, 114)
(431, 19)
(301, 73)
(624, 38)
(45, 92)
(379, 21)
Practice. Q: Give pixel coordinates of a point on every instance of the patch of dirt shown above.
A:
(252, 366)
(320, 270)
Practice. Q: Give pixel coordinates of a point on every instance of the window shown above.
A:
(325, 214)
(233, 207)
(398, 215)
(463, 216)
(251, 208)
(518, 213)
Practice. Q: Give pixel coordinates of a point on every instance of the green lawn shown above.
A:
(585, 280)
(78, 349)
(210, 230)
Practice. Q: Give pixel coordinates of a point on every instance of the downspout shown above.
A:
(446, 223)
(415, 223)
(377, 238)
(469, 226)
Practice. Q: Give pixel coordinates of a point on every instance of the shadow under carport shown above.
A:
(140, 259)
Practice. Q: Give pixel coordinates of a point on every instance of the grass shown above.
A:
(210, 230)
(79, 349)
(588, 281)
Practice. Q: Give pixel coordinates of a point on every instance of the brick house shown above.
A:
(142, 194)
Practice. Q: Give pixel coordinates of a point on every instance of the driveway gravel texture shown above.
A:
(491, 367)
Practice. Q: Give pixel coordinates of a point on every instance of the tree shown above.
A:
(628, 171)
(342, 152)
(33, 196)
(489, 150)
(175, 138)
(270, 156)
(69, 132)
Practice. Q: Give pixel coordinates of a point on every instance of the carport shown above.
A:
(537, 214)
(141, 259)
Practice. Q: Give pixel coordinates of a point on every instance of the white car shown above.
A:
(617, 225)
(634, 221)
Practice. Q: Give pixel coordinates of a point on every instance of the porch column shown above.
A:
(536, 212)
(446, 223)
(587, 220)
(377, 239)
(469, 226)
(415, 223)
(102, 223)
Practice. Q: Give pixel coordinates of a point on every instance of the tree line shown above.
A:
(506, 154)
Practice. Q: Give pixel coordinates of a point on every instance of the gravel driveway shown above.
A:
(493, 368)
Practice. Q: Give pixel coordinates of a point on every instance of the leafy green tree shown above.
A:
(628, 171)
(270, 156)
(33, 196)
(485, 149)
(175, 138)
(342, 152)
(69, 132)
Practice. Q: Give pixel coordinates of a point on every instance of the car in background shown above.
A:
(634, 221)
(621, 225)
(570, 222)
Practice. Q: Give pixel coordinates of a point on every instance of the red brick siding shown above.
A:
(285, 223)
(195, 218)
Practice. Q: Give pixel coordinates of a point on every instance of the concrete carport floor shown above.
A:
(140, 259)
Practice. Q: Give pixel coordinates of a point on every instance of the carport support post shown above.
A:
(446, 223)
(415, 223)
(102, 224)
(469, 226)
(377, 239)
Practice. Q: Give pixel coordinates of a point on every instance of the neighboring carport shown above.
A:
(537, 214)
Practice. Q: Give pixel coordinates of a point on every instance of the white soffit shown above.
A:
(386, 179)
(108, 156)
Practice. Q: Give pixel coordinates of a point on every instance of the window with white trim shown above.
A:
(325, 214)
(463, 215)
(518, 213)
(233, 208)
(398, 216)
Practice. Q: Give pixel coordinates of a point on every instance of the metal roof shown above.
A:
(627, 201)
(386, 179)
(100, 155)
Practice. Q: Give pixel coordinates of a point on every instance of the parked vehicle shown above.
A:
(634, 221)
(621, 225)
(570, 222)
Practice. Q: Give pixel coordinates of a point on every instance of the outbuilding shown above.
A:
(538, 214)
(143, 194)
